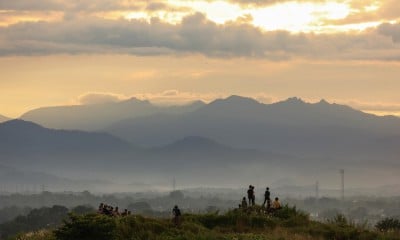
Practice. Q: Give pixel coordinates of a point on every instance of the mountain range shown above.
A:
(226, 142)
(290, 127)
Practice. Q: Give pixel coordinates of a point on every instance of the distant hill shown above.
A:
(87, 155)
(3, 118)
(19, 136)
(28, 145)
(98, 116)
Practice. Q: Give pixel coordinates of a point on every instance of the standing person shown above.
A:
(177, 215)
(253, 196)
(250, 193)
(267, 196)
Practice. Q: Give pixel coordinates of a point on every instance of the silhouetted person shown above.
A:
(253, 196)
(100, 209)
(110, 211)
(125, 213)
(244, 203)
(177, 215)
(116, 212)
(250, 194)
(267, 196)
(106, 209)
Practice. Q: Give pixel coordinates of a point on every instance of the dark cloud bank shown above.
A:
(195, 35)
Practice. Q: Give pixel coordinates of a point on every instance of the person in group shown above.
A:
(253, 196)
(250, 193)
(268, 205)
(111, 211)
(100, 209)
(177, 215)
(106, 210)
(124, 213)
(116, 212)
(244, 203)
(276, 205)
(267, 196)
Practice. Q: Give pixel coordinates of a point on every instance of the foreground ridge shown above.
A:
(288, 223)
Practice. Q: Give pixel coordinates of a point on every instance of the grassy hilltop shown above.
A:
(288, 223)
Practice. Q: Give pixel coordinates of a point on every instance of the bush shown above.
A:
(388, 224)
(88, 227)
(36, 219)
(83, 209)
(339, 220)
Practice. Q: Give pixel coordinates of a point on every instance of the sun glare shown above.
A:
(290, 16)
(298, 17)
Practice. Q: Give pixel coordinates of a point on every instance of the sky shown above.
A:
(65, 52)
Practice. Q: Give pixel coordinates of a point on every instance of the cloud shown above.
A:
(74, 5)
(391, 30)
(262, 3)
(368, 11)
(373, 106)
(167, 97)
(176, 97)
(99, 98)
(195, 35)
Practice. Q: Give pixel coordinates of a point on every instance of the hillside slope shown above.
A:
(288, 223)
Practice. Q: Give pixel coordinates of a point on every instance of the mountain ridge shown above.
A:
(4, 118)
(292, 126)
(94, 117)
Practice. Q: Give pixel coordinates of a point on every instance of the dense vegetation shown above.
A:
(288, 223)
(37, 219)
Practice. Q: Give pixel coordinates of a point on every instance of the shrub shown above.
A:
(87, 227)
(388, 224)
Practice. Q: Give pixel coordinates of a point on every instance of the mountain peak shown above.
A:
(21, 124)
(323, 102)
(294, 100)
(136, 100)
(236, 100)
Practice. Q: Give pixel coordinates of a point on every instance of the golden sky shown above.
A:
(57, 52)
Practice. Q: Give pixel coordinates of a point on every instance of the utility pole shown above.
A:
(317, 191)
(174, 184)
(342, 179)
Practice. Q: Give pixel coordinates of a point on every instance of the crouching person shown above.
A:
(276, 205)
